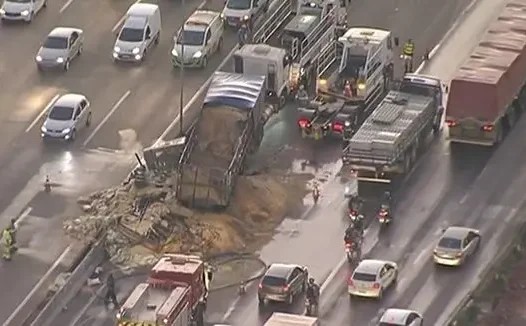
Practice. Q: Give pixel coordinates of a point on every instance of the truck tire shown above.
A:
(199, 316)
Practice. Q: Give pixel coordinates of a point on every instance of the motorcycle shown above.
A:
(353, 251)
(384, 215)
(408, 63)
(353, 215)
(311, 308)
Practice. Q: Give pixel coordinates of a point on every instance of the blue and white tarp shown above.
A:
(237, 90)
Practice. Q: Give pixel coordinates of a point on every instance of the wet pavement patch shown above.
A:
(48, 205)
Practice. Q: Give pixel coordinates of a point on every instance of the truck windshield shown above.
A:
(238, 4)
(418, 89)
(191, 38)
(131, 35)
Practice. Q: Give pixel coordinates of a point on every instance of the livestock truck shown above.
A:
(487, 93)
(228, 128)
(174, 294)
(283, 319)
(385, 149)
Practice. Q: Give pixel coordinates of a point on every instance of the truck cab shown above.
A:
(273, 62)
(424, 85)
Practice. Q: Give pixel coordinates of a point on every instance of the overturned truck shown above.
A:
(229, 127)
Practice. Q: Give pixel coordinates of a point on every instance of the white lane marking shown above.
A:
(23, 216)
(41, 114)
(37, 287)
(108, 115)
(446, 36)
(231, 309)
(65, 6)
(85, 308)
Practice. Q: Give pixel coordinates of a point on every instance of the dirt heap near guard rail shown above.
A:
(259, 204)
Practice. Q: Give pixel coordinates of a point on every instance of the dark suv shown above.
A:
(283, 283)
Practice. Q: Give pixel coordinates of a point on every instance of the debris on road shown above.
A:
(140, 223)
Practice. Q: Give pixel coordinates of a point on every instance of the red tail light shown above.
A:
(487, 128)
(348, 245)
(304, 123)
(353, 212)
(451, 123)
(337, 126)
(376, 285)
(383, 213)
(260, 285)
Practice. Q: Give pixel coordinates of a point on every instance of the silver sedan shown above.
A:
(456, 244)
(61, 46)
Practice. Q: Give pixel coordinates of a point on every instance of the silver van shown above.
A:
(202, 36)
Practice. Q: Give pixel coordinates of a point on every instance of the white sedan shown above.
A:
(401, 317)
(372, 277)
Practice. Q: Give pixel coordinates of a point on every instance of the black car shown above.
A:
(283, 283)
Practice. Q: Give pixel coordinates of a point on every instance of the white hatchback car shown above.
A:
(68, 114)
(371, 278)
(401, 317)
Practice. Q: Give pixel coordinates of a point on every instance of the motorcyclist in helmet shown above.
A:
(387, 200)
(313, 291)
(359, 224)
(302, 97)
(352, 235)
(355, 202)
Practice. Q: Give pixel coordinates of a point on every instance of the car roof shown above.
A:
(201, 17)
(135, 22)
(396, 316)
(280, 270)
(456, 232)
(70, 99)
(370, 266)
(63, 31)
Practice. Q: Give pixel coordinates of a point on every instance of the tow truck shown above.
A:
(366, 61)
(175, 294)
(306, 31)
(386, 148)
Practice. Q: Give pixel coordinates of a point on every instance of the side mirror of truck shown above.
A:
(209, 275)
(396, 41)
(446, 88)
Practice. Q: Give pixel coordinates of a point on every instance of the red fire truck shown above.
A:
(174, 294)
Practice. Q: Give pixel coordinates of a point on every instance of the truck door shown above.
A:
(271, 77)
(238, 64)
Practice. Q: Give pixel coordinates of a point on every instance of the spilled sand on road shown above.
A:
(259, 204)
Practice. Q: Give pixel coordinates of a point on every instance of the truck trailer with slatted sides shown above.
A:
(283, 319)
(488, 93)
(174, 294)
(387, 146)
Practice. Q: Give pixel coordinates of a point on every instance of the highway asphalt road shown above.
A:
(123, 97)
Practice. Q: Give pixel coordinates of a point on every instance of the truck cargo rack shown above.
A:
(272, 24)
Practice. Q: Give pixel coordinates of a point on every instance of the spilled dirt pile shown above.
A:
(131, 215)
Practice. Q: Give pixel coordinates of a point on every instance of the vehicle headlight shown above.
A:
(138, 57)
(117, 49)
(118, 315)
(66, 131)
(222, 15)
(136, 51)
(198, 54)
(60, 59)
(25, 13)
(361, 86)
(174, 53)
(246, 17)
(347, 123)
(2, 11)
(43, 129)
(38, 58)
(347, 189)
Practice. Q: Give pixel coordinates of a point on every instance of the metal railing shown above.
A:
(321, 35)
(278, 17)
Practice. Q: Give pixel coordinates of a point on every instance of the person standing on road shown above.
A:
(9, 246)
(110, 292)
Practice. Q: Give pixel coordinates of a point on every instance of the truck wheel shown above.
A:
(282, 100)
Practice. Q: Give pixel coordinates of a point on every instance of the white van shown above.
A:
(236, 11)
(202, 35)
(140, 31)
